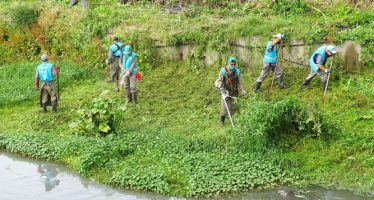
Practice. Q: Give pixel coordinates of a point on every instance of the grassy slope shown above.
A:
(172, 143)
(177, 122)
(209, 29)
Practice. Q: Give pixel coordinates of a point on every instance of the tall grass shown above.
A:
(86, 40)
(282, 124)
(17, 80)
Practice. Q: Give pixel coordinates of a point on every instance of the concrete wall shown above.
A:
(248, 50)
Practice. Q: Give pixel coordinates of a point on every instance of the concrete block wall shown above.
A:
(249, 52)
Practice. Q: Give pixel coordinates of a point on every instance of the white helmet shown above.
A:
(279, 35)
(331, 48)
(44, 58)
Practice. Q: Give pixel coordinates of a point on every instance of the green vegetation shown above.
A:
(24, 16)
(269, 125)
(209, 28)
(101, 115)
(17, 84)
(172, 142)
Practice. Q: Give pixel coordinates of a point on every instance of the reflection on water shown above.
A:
(309, 193)
(48, 175)
(25, 179)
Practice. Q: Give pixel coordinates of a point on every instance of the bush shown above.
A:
(264, 125)
(103, 153)
(286, 7)
(25, 16)
(100, 116)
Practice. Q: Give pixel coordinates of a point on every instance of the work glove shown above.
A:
(107, 61)
(328, 71)
(56, 70)
(138, 76)
(244, 93)
(225, 93)
(36, 83)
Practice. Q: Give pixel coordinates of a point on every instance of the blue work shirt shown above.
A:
(45, 71)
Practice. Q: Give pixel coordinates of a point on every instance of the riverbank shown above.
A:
(48, 180)
(172, 143)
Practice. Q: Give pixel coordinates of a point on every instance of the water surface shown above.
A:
(26, 179)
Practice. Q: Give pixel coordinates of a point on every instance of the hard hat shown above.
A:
(44, 57)
(279, 35)
(232, 59)
(331, 48)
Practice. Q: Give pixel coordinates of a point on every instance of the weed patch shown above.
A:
(281, 124)
(100, 116)
(17, 80)
(214, 174)
(24, 15)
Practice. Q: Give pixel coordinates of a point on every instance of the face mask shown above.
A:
(231, 71)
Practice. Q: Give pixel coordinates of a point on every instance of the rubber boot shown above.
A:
(305, 83)
(223, 120)
(282, 85)
(116, 86)
(44, 107)
(257, 86)
(129, 97)
(54, 106)
(135, 97)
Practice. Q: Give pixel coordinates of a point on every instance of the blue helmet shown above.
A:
(232, 59)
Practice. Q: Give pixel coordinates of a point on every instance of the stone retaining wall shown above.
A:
(248, 51)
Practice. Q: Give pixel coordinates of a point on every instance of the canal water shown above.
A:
(25, 179)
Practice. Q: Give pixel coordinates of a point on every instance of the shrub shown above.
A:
(280, 124)
(286, 7)
(25, 16)
(100, 116)
(103, 153)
